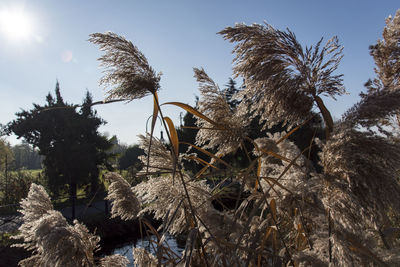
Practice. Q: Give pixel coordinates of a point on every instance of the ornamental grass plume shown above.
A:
(386, 86)
(279, 169)
(386, 54)
(363, 194)
(283, 80)
(167, 200)
(227, 134)
(290, 214)
(280, 209)
(378, 110)
(54, 242)
(114, 261)
(367, 160)
(124, 202)
(33, 207)
(361, 167)
(127, 69)
(143, 258)
(160, 159)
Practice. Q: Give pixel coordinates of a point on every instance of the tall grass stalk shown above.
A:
(342, 210)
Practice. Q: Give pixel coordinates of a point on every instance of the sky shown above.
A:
(44, 41)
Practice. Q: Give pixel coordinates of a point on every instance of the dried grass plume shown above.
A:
(127, 69)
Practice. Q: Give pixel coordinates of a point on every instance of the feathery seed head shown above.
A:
(127, 69)
(160, 157)
(386, 54)
(52, 240)
(283, 79)
(227, 134)
(144, 258)
(124, 201)
(36, 204)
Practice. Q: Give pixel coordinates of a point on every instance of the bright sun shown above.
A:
(15, 24)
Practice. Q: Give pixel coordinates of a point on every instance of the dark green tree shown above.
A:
(130, 157)
(96, 146)
(230, 90)
(69, 140)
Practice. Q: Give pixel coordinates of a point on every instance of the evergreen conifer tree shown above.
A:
(69, 140)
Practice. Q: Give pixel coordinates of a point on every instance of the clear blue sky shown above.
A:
(175, 36)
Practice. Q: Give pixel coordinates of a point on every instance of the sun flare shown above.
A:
(15, 24)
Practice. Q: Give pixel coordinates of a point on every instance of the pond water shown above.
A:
(146, 243)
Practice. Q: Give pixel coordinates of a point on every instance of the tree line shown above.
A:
(19, 157)
(65, 140)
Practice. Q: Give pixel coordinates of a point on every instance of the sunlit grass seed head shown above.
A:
(124, 202)
(283, 79)
(127, 71)
(227, 135)
(279, 209)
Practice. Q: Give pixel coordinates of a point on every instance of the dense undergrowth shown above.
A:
(285, 212)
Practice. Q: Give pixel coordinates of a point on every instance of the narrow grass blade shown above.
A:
(173, 135)
(192, 111)
(272, 206)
